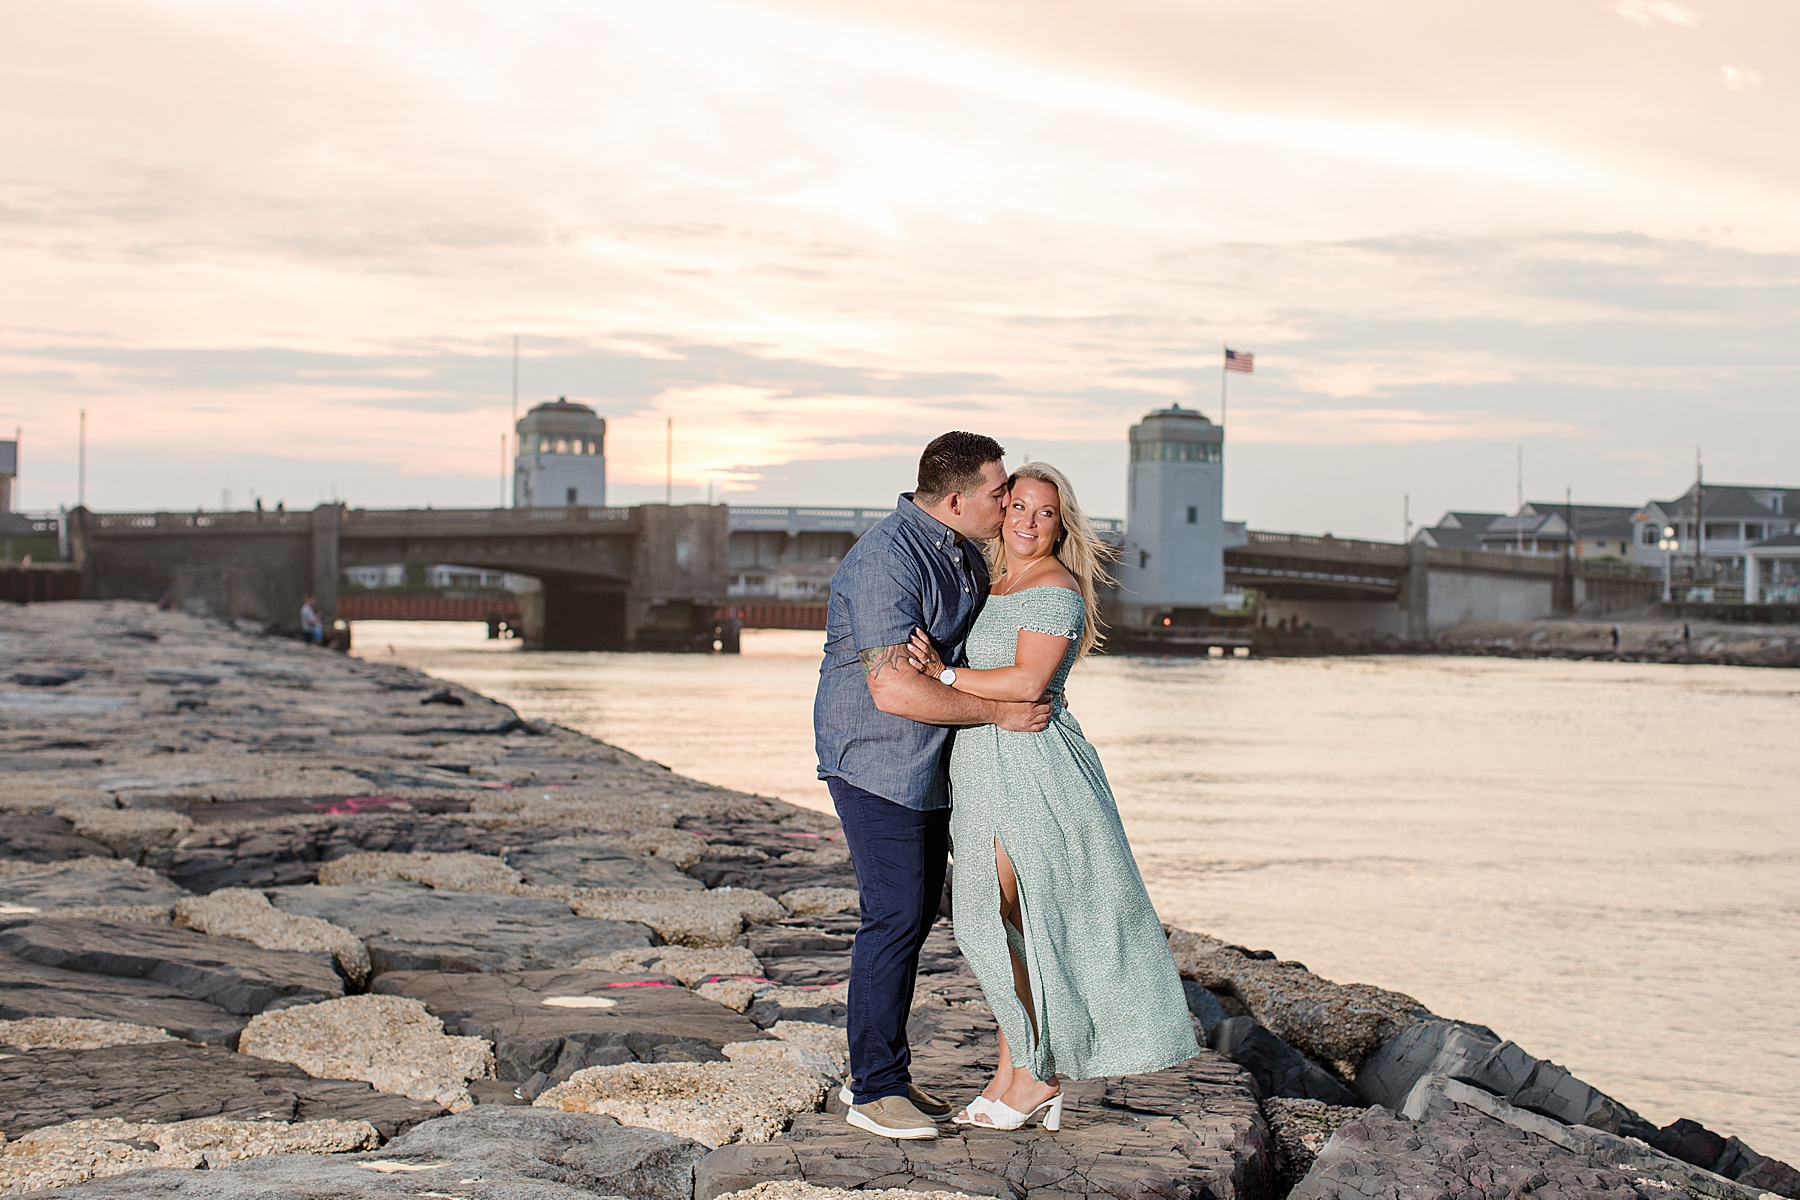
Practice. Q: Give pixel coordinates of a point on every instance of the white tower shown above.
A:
(562, 457)
(1174, 518)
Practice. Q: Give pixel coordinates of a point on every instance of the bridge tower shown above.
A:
(562, 457)
(1174, 562)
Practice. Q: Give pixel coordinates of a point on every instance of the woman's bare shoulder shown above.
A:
(1061, 579)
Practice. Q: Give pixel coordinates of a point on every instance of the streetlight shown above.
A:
(1668, 546)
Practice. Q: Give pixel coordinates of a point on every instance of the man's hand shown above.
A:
(1025, 716)
(898, 688)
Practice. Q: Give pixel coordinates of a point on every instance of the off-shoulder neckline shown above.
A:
(1034, 587)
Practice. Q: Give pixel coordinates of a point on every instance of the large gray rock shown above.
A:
(56, 886)
(262, 854)
(1458, 1152)
(225, 972)
(596, 864)
(1438, 1094)
(1191, 1131)
(32, 837)
(793, 939)
(528, 1017)
(1204, 1007)
(28, 990)
(1455, 1150)
(487, 1153)
(410, 927)
(1336, 1023)
(1278, 1068)
(1475, 1055)
(175, 1081)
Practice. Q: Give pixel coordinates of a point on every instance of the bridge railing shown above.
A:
(200, 520)
(1307, 541)
(490, 517)
(767, 518)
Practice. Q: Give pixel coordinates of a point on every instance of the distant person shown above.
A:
(1050, 909)
(1615, 639)
(166, 602)
(883, 732)
(311, 628)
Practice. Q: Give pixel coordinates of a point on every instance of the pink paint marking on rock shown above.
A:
(355, 804)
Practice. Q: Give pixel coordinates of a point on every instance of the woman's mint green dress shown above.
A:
(1108, 997)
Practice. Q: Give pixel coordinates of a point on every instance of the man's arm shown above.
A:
(898, 688)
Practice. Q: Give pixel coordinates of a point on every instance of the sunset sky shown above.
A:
(282, 249)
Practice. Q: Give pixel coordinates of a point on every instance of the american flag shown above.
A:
(1240, 360)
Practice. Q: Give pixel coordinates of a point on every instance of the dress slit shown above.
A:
(1017, 942)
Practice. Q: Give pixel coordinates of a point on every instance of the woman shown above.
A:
(1049, 908)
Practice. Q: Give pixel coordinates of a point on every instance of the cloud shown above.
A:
(1646, 11)
(1742, 79)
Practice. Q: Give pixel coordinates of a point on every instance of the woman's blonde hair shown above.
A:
(1078, 549)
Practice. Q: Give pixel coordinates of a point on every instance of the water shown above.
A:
(1600, 861)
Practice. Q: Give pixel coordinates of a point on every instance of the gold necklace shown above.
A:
(1014, 585)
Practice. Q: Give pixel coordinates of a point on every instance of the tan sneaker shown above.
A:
(894, 1117)
(921, 1099)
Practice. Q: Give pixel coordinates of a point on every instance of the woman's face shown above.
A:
(1033, 520)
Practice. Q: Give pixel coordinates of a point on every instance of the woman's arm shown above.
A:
(1034, 661)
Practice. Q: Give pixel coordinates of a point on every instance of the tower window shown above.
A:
(1193, 515)
(571, 495)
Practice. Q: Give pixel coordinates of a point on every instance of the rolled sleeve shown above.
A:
(885, 596)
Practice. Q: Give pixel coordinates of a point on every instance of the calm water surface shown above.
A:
(1600, 861)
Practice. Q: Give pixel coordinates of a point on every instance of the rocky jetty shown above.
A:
(275, 922)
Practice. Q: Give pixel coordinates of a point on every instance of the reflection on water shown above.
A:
(1600, 861)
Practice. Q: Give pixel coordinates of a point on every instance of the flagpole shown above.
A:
(1223, 373)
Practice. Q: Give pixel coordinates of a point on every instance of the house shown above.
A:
(788, 582)
(1457, 530)
(1541, 528)
(1596, 531)
(1732, 518)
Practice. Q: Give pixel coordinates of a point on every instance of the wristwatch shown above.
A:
(947, 677)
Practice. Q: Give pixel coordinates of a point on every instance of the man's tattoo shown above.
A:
(880, 658)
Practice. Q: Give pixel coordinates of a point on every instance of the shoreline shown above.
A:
(209, 761)
(1569, 639)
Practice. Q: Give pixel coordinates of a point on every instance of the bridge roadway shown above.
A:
(654, 576)
(649, 577)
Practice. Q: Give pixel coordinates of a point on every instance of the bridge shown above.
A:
(643, 578)
(1414, 590)
(656, 576)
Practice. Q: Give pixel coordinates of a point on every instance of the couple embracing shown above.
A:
(940, 719)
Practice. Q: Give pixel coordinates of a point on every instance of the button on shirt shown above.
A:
(908, 572)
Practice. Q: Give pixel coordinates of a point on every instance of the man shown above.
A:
(883, 733)
(312, 629)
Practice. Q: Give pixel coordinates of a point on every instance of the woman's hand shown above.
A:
(924, 656)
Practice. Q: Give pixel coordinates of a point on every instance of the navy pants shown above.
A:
(900, 855)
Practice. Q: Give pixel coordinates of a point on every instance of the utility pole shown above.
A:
(1699, 513)
(1519, 495)
(503, 470)
(1405, 518)
(515, 422)
(81, 466)
(669, 464)
(1569, 517)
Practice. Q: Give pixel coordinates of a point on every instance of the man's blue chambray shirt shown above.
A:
(909, 571)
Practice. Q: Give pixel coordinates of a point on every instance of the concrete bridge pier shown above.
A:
(646, 578)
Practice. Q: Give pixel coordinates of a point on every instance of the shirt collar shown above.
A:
(939, 534)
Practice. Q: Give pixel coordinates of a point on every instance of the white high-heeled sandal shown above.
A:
(974, 1108)
(1001, 1115)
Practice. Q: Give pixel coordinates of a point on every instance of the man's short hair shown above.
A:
(953, 462)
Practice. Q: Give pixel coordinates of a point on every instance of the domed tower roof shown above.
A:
(1176, 424)
(563, 416)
